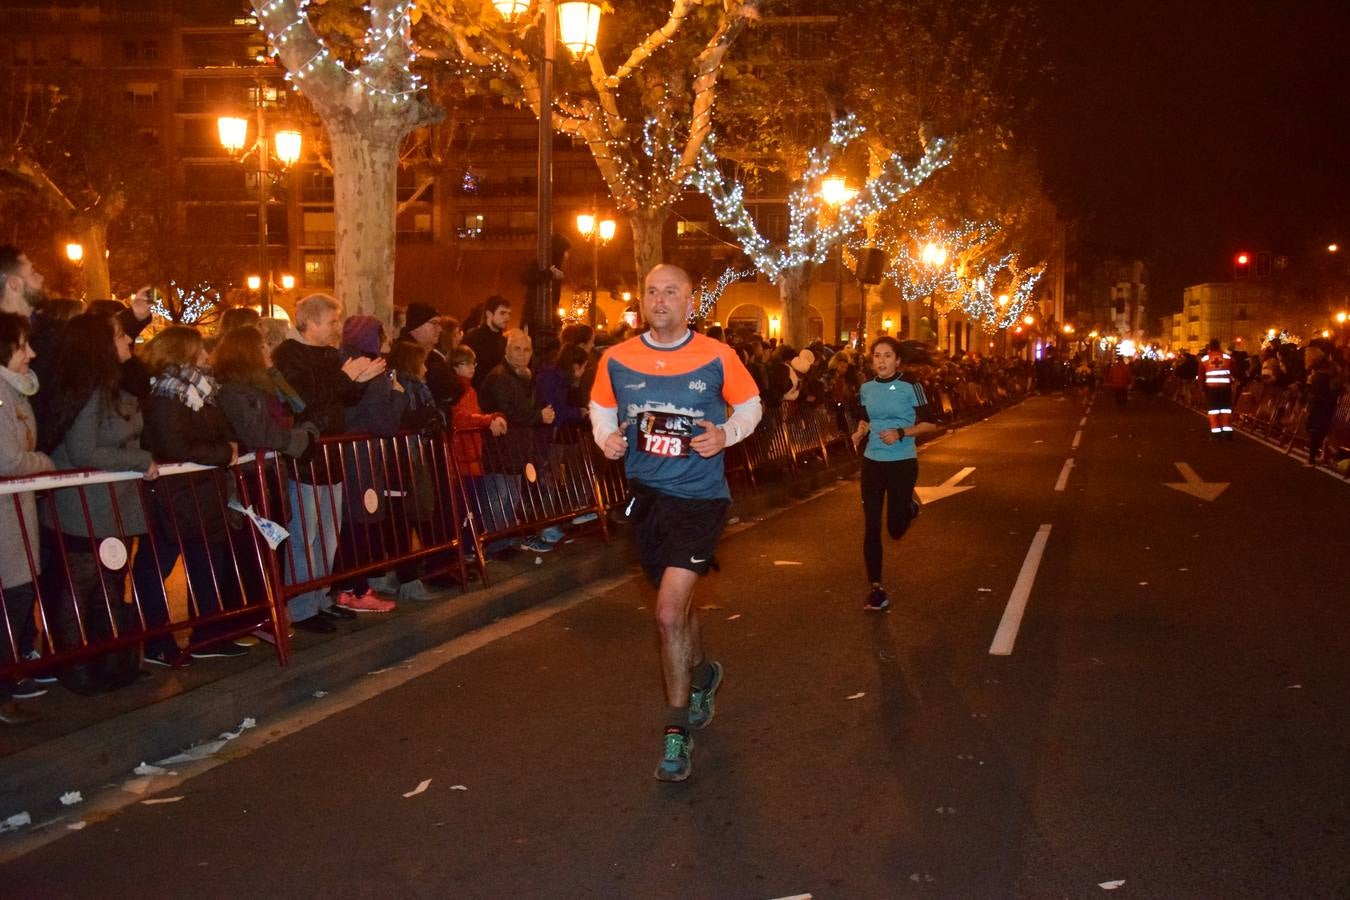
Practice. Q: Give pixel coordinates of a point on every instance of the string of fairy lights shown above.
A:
(196, 305)
(981, 297)
(708, 293)
(387, 57)
(809, 240)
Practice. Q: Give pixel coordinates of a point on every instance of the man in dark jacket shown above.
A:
(509, 390)
(488, 341)
(422, 326)
(313, 367)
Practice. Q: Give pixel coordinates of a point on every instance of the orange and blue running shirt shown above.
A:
(659, 392)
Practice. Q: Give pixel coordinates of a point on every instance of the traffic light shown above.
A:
(1242, 265)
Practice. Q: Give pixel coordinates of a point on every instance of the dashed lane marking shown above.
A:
(1006, 635)
(1063, 480)
(1077, 439)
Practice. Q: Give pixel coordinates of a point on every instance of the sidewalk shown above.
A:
(85, 743)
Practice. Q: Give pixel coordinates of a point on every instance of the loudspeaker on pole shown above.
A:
(871, 265)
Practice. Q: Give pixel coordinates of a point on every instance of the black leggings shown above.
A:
(892, 482)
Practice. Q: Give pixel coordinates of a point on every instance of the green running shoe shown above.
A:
(701, 701)
(676, 764)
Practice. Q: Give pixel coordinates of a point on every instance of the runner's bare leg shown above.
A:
(681, 640)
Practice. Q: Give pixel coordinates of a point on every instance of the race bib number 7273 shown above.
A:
(664, 445)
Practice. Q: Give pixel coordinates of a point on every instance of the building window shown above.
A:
(150, 50)
(471, 227)
(142, 94)
(688, 228)
(318, 269)
(131, 51)
(1242, 313)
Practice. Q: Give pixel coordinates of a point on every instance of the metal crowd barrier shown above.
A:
(364, 504)
(191, 552)
(183, 556)
(1278, 414)
(527, 479)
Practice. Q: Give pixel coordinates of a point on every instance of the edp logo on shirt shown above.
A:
(698, 385)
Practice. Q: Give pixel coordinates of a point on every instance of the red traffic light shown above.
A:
(1243, 259)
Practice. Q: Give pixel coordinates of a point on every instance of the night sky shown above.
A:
(1184, 131)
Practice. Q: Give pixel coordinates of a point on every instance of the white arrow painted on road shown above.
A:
(1195, 486)
(949, 488)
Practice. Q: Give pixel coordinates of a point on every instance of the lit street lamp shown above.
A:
(836, 192)
(580, 24)
(74, 252)
(934, 257)
(286, 147)
(597, 233)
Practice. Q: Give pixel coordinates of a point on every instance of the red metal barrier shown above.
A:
(527, 479)
(180, 556)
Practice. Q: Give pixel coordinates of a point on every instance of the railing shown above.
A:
(201, 551)
(1278, 414)
(182, 544)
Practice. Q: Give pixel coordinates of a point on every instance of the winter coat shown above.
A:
(378, 413)
(317, 377)
(191, 506)
(18, 512)
(554, 388)
(468, 442)
(251, 412)
(490, 348)
(104, 436)
(513, 395)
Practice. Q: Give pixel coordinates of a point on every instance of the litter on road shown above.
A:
(786, 562)
(15, 822)
(733, 618)
(421, 786)
(857, 696)
(70, 798)
(148, 769)
(459, 787)
(156, 801)
(1111, 885)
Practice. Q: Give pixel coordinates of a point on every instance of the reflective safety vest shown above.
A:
(1216, 367)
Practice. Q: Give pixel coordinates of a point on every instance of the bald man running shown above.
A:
(673, 387)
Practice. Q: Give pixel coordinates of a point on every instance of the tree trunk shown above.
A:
(365, 194)
(794, 289)
(94, 237)
(648, 230)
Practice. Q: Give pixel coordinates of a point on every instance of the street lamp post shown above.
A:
(285, 146)
(934, 257)
(597, 231)
(580, 23)
(835, 191)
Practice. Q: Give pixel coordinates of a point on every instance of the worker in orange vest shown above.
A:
(1216, 372)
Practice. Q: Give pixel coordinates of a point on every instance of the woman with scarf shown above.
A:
(20, 561)
(91, 422)
(184, 423)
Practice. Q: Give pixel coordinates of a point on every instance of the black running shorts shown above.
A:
(675, 532)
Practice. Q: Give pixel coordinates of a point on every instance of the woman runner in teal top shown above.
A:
(891, 408)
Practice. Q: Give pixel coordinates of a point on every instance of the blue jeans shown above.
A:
(316, 517)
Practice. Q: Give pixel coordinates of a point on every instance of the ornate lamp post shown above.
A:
(934, 257)
(285, 147)
(580, 24)
(597, 232)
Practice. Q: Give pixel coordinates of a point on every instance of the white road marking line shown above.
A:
(1063, 481)
(1077, 439)
(1082, 421)
(1006, 635)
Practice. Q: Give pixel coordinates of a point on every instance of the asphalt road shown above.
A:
(1170, 716)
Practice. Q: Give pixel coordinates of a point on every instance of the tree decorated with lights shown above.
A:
(996, 293)
(645, 120)
(369, 101)
(926, 265)
(810, 234)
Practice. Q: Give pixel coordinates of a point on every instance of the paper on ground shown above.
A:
(786, 562)
(459, 787)
(70, 798)
(156, 801)
(15, 822)
(1111, 885)
(857, 696)
(148, 769)
(733, 618)
(76, 826)
(421, 786)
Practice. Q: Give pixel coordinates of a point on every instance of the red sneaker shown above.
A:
(367, 602)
